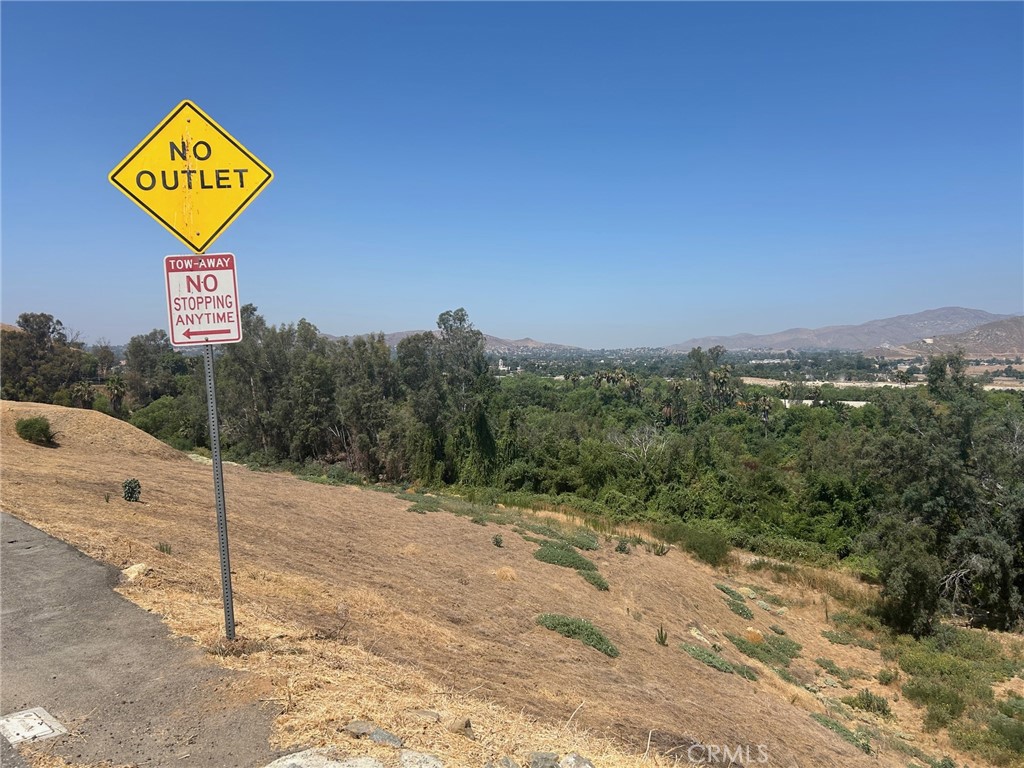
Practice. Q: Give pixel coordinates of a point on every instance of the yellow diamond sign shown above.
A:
(192, 176)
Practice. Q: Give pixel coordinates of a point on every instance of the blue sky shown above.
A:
(598, 174)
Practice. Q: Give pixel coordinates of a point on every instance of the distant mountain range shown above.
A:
(889, 332)
(1001, 339)
(978, 333)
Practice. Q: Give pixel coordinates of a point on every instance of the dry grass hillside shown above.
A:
(352, 605)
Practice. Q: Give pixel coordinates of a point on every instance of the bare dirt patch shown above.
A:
(352, 606)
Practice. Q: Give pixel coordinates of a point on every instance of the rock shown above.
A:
(359, 728)
(763, 606)
(410, 759)
(134, 573)
(699, 635)
(319, 757)
(388, 739)
(574, 760)
(781, 611)
(543, 760)
(505, 762)
(748, 593)
(362, 729)
(461, 726)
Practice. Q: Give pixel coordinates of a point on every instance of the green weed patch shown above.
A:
(843, 637)
(595, 578)
(843, 674)
(859, 739)
(773, 651)
(740, 609)
(578, 629)
(560, 553)
(710, 658)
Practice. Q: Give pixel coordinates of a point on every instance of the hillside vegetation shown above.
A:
(359, 604)
(920, 491)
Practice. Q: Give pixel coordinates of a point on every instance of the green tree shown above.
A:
(38, 361)
(251, 379)
(911, 575)
(82, 394)
(307, 409)
(116, 389)
(152, 367)
(420, 376)
(467, 385)
(367, 392)
(947, 374)
(105, 357)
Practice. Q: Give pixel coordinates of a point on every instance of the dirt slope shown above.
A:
(354, 606)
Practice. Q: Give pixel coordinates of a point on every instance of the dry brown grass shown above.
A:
(39, 756)
(349, 606)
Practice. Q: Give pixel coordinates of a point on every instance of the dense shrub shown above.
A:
(887, 676)
(869, 702)
(910, 573)
(35, 429)
(705, 544)
(132, 489)
(165, 419)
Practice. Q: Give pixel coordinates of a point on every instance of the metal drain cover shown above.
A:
(30, 725)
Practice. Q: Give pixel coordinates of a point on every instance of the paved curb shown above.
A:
(110, 672)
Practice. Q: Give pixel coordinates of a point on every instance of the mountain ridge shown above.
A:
(1003, 338)
(882, 333)
(889, 333)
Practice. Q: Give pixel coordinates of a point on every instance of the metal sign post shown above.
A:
(195, 178)
(218, 490)
(203, 308)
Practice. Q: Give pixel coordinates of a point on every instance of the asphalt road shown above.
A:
(126, 690)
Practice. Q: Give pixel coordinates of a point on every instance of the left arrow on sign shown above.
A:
(190, 333)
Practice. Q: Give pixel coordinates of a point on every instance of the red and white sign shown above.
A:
(202, 299)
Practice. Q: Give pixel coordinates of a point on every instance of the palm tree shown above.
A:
(763, 407)
(82, 394)
(116, 389)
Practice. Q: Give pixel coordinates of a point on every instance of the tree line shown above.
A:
(923, 488)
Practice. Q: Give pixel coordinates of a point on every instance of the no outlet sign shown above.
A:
(202, 299)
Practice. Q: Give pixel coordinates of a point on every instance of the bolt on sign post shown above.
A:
(194, 178)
